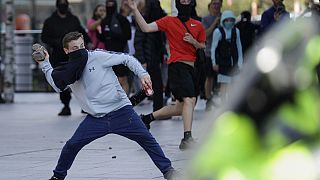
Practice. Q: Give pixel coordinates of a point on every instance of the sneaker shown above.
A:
(54, 178)
(144, 120)
(65, 111)
(186, 143)
(173, 175)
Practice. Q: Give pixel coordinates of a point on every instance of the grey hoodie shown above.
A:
(98, 91)
(217, 37)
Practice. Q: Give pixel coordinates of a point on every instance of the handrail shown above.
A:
(24, 31)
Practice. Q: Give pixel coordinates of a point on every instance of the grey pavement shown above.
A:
(32, 135)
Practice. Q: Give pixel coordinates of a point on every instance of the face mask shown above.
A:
(228, 25)
(111, 9)
(63, 8)
(78, 54)
(184, 11)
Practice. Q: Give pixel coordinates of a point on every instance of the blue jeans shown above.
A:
(124, 122)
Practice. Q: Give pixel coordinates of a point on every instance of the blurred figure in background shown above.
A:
(226, 52)
(211, 22)
(125, 11)
(116, 32)
(199, 67)
(150, 49)
(194, 14)
(94, 26)
(274, 14)
(61, 22)
(134, 85)
(247, 30)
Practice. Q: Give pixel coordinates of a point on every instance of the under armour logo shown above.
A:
(91, 69)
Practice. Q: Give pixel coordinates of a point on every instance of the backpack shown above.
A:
(227, 52)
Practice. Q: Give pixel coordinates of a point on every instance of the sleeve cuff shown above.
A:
(143, 74)
(44, 63)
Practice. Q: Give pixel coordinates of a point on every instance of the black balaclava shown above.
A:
(111, 9)
(184, 11)
(245, 16)
(63, 8)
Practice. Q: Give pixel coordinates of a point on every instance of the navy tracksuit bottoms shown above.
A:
(124, 122)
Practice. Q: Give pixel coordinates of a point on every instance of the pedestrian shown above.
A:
(199, 67)
(94, 26)
(116, 32)
(226, 51)
(277, 12)
(181, 75)
(90, 76)
(248, 31)
(150, 49)
(133, 81)
(61, 22)
(125, 11)
(211, 22)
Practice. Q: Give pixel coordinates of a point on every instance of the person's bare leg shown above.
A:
(163, 113)
(208, 92)
(187, 116)
(187, 112)
(223, 92)
(208, 87)
(169, 111)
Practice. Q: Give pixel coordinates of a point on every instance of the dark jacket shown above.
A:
(247, 34)
(53, 31)
(150, 47)
(116, 32)
(267, 19)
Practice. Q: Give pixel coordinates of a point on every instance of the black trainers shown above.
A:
(65, 111)
(187, 143)
(173, 175)
(145, 121)
(54, 178)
